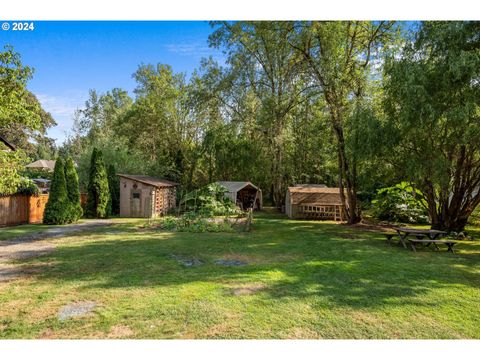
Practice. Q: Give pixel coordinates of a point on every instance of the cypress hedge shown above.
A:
(57, 207)
(114, 186)
(73, 191)
(98, 199)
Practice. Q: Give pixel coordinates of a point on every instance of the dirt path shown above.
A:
(33, 245)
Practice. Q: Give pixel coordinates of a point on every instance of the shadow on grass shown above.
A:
(347, 267)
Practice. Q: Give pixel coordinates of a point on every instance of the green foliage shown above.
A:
(20, 116)
(98, 199)
(209, 200)
(433, 122)
(57, 209)
(114, 187)
(338, 55)
(73, 191)
(27, 187)
(14, 107)
(37, 174)
(192, 222)
(400, 203)
(11, 165)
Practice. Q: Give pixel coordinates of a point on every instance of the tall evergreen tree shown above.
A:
(56, 210)
(114, 186)
(73, 191)
(98, 200)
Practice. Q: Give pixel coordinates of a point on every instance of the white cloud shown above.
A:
(196, 49)
(62, 109)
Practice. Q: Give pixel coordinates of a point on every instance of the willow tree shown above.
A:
(338, 56)
(263, 61)
(433, 125)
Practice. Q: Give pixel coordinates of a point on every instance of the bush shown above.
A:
(209, 200)
(192, 222)
(75, 210)
(27, 187)
(37, 174)
(400, 203)
(98, 199)
(57, 207)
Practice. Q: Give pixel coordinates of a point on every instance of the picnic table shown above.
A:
(426, 237)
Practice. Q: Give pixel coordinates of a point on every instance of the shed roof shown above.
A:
(7, 143)
(314, 195)
(42, 164)
(233, 186)
(149, 180)
(314, 189)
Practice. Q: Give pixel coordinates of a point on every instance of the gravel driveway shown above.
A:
(33, 245)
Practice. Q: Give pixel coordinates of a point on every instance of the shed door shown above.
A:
(135, 205)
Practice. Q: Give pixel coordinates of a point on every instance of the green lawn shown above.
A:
(21, 230)
(303, 280)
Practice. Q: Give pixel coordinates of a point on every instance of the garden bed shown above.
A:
(191, 222)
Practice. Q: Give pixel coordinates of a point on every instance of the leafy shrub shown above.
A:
(209, 200)
(400, 203)
(27, 187)
(191, 222)
(37, 174)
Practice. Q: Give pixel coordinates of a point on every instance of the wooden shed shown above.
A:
(146, 196)
(244, 194)
(311, 201)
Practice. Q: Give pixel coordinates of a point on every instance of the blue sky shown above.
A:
(70, 58)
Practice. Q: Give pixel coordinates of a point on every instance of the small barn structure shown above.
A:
(146, 196)
(244, 194)
(310, 201)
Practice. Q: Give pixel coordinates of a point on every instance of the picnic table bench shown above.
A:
(426, 237)
(427, 242)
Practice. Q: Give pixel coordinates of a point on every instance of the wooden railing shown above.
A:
(321, 212)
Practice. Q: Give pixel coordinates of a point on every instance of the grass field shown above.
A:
(302, 280)
(22, 230)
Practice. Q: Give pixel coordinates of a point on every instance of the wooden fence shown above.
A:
(22, 209)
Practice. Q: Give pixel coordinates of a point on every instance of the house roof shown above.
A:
(149, 180)
(7, 143)
(42, 164)
(233, 186)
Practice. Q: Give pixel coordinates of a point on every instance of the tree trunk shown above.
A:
(347, 180)
(451, 213)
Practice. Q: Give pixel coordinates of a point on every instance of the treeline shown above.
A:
(359, 105)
